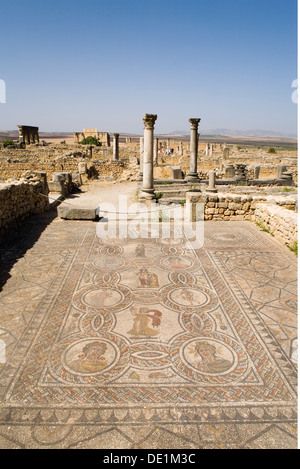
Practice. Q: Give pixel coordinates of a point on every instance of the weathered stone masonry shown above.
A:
(276, 214)
(20, 199)
(28, 134)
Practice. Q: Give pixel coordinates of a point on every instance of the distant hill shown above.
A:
(258, 133)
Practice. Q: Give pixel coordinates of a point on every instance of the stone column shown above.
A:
(140, 178)
(27, 137)
(155, 150)
(226, 153)
(193, 175)
(90, 151)
(116, 147)
(256, 172)
(21, 135)
(229, 172)
(211, 182)
(280, 170)
(148, 188)
(36, 137)
(31, 135)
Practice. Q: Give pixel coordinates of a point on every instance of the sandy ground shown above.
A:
(95, 193)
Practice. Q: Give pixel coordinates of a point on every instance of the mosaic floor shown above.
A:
(148, 343)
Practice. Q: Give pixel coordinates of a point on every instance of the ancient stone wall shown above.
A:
(277, 215)
(103, 137)
(63, 158)
(241, 207)
(279, 221)
(20, 199)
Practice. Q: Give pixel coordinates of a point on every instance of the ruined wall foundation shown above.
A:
(20, 199)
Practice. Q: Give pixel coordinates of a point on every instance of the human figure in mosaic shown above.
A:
(177, 263)
(143, 318)
(140, 250)
(210, 362)
(188, 296)
(147, 279)
(100, 298)
(92, 358)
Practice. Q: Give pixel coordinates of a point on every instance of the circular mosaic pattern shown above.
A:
(111, 250)
(226, 237)
(170, 241)
(172, 250)
(176, 263)
(101, 298)
(188, 298)
(107, 262)
(95, 299)
(88, 359)
(90, 356)
(212, 358)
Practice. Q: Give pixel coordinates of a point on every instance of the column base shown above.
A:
(211, 190)
(147, 194)
(192, 177)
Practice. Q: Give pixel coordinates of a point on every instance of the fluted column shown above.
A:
(155, 150)
(116, 147)
(148, 188)
(140, 178)
(193, 174)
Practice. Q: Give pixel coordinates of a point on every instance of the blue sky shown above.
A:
(74, 64)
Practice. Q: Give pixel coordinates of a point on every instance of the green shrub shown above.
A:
(91, 141)
(263, 228)
(7, 142)
(271, 150)
(294, 247)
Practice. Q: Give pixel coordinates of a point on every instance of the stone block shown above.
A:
(234, 206)
(246, 206)
(177, 172)
(57, 187)
(69, 212)
(210, 210)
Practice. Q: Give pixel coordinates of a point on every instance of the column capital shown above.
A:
(116, 135)
(194, 122)
(149, 120)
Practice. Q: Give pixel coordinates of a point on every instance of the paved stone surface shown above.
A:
(147, 343)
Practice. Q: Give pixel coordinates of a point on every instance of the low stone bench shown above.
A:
(73, 212)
